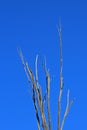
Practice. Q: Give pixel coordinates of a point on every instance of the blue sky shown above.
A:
(32, 25)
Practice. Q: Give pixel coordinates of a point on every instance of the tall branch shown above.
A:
(61, 78)
(69, 103)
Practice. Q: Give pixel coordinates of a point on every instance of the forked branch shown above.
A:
(36, 92)
(30, 77)
(69, 103)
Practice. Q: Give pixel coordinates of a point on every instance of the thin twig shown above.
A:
(24, 65)
(36, 67)
(48, 99)
(69, 103)
(48, 94)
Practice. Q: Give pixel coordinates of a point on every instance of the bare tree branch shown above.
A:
(37, 96)
(69, 103)
(36, 90)
(36, 110)
(41, 108)
(23, 63)
(61, 78)
(48, 99)
(33, 85)
(36, 66)
(48, 94)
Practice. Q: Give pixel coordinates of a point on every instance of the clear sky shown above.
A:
(32, 25)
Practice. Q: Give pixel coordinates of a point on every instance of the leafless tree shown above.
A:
(38, 101)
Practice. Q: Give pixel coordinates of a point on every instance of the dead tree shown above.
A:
(38, 100)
